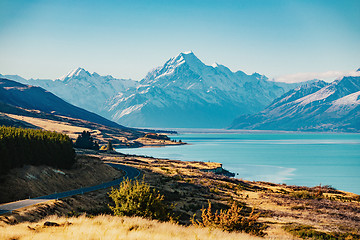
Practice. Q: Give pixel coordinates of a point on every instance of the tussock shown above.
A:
(110, 227)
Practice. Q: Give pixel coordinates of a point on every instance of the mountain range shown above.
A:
(317, 106)
(81, 88)
(184, 92)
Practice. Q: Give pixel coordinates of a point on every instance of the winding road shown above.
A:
(130, 173)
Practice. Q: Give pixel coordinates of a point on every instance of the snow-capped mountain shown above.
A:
(81, 88)
(185, 92)
(318, 106)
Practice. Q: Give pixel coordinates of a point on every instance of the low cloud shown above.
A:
(328, 76)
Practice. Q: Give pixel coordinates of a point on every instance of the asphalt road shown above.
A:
(130, 173)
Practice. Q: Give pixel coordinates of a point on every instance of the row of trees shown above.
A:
(20, 146)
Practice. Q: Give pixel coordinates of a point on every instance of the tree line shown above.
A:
(19, 146)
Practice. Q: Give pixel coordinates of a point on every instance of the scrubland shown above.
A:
(286, 212)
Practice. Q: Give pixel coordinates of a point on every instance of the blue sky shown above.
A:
(277, 38)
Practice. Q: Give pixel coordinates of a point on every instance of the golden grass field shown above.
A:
(107, 227)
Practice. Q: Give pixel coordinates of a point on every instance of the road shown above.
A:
(130, 173)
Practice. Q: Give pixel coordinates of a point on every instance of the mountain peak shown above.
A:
(189, 58)
(78, 72)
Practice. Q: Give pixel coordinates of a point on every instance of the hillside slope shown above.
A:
(81, 88)
(36, 98)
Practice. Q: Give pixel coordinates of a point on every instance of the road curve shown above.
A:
(130, 173)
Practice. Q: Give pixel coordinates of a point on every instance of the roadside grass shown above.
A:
(111, 227)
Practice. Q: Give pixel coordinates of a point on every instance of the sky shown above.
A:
(288, 40)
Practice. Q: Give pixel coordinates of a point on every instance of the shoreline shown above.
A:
(245, 131)
(278, 173)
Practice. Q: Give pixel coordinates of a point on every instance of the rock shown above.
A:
(51, 224)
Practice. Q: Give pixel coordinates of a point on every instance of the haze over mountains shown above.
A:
(184, 92)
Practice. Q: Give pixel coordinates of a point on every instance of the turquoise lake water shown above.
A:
(292, 158)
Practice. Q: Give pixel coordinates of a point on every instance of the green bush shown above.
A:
(19, 146)
(308, 232)
(136, 198)
(304, 194)
(230, 220)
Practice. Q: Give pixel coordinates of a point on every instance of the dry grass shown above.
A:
(110, 227)
(73, 127)
(52, 125)
(189, 188)
(186, 186)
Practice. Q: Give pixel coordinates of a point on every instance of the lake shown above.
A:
(306, 159)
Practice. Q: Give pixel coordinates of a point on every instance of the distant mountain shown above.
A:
(318, 106)
(81, 88)
(35, 98)
(185, 92)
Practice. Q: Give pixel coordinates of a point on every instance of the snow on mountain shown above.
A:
(83, 89)
(318, 106)
(185, 92)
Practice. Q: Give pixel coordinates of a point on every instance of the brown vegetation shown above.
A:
(189, 188)
(110, 227)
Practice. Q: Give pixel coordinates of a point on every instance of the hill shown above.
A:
(36, 98)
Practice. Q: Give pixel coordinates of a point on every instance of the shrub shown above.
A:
(304, 194)
(109, 147)
(86, 141)
(230, 220)
(136, 198)
(306, 232)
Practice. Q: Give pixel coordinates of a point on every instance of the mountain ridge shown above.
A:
(319, 106)
(185, 92)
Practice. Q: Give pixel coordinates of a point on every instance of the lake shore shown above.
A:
(308, 159)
